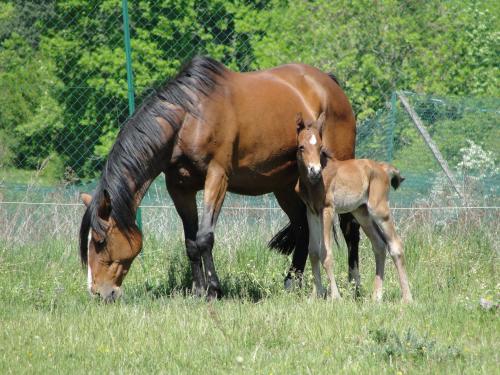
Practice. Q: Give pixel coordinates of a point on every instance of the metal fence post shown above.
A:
(130, 79)
(392, 125)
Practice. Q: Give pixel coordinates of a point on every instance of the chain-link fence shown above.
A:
(63, 69)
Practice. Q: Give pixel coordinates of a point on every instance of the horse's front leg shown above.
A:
(326, 253)
(215, 191)
(315, 233)
(185, 204)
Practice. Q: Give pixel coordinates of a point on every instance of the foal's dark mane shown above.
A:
(140, 140)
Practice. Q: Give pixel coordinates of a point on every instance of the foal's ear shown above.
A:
(320, 122)
(86, 198)
(299, 121)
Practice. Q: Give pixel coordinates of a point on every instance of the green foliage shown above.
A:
(30, 115)
(62, 63)
(375, 48)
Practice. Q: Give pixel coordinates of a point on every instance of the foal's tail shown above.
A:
(394, 175)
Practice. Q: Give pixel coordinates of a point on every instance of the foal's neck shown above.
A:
(313, 195)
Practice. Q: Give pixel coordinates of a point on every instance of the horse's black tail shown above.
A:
(284, 240)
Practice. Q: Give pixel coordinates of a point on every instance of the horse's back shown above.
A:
(318, 91)
(324, 94)
(247, 126)
(274, 96)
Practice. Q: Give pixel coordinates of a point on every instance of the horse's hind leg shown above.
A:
(215, 192)
(326, 253)
(350, 230)
(379, 249)
(185, 204)
(384, 221)
(295, 209)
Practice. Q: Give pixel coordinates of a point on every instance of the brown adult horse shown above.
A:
(217, 130)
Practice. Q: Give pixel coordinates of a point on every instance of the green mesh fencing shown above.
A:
(467, 133)
(68, 95)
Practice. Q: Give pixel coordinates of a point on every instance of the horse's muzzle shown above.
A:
(314, 174)
(109, 294)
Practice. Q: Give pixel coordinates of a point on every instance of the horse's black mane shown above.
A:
(140, 139)
(335, 78)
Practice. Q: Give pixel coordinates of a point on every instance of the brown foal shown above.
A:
(360, 187)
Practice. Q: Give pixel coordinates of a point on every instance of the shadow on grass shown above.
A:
(241, 284)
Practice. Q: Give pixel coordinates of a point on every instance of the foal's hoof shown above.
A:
(407, 300)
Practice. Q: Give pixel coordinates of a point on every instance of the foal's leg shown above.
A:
(215, 191)
(384, 221)
(379, 249)
(185, 204)
(295, 209)
(315, 239)
(350, 230)
(326, 253)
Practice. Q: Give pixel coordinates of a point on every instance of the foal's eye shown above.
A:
(301, 148)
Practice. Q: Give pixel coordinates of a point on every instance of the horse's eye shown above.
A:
(99, 244)
(301, 148)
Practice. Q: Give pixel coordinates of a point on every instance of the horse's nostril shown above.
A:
(113, 293)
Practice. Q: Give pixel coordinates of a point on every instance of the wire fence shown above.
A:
(63, 65)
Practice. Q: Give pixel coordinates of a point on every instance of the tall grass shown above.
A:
(48, 323)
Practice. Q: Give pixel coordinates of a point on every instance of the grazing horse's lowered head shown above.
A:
(110, 250)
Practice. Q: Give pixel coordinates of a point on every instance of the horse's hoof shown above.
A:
(292, 282)
(213, 293)
(198, 291)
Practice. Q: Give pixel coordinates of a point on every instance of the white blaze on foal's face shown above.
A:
(313, 140)
(309, 146)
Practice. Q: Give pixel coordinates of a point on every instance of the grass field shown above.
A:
(48, 323)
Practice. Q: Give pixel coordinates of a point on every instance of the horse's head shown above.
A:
(310, 156)
(107, 250)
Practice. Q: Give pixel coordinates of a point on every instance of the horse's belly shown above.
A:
(347, 201)
(263, 179)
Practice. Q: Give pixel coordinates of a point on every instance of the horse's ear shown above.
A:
(320, 122)
(104, 206)
(299, 121)
(86, 199)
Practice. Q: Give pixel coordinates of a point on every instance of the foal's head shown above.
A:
(311, 156)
